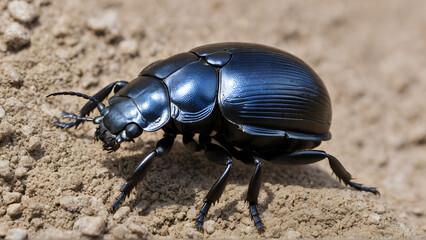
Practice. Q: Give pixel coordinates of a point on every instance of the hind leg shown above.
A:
(311, 156)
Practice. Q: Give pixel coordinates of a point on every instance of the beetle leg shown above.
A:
(255, 181)
(162, 148)
(253, 193)
(88, 107)
(311, 156)
(219, 155)
(190, 143)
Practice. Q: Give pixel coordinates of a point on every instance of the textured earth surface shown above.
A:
(59, 184)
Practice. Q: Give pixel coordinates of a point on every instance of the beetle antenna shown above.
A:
(100, 105)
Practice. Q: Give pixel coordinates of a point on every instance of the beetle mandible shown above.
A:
(257, 102)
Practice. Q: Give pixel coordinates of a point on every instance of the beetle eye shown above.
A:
(133, 130)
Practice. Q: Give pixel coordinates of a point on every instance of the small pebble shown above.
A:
(209, 226)
(14, 103)
(72, 182)
(3, 231)
(70, 203)
(21, 172)
(22, 11)
(129, 47)
(27, 130)
(180, 216)
(292, 235)
(121, 213)
(37, 222)
(33, 144)
(379, 208)
(61, 234)
(139, 229)
(5, 169)
(103, 23)
(16, 36)
(61, 28)
(90, 226)
(16, 234)
(5, 129)
(35, 209)
(2, 112)
(26, 161)
(12, 75)
(122, 232)
(418, 211)
(14, 210)
(11, 197)
(374, 218)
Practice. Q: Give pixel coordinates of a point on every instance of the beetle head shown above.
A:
(142, 105)
(117, 123)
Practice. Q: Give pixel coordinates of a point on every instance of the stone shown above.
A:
(14, 210)
(121, 213)
(70, 203)
(209, 226)
(22, 11)
(103, 23)
(2, 112)
(292, 235)
(129, 47)
(16, 234)
(5, 169)
(16, 36)
(21, 172)
(121, 232)
(11, 197)
(90, 226)
(3, 231)
(13, 102)
(374, 218)
(61, 234)
(12, 75)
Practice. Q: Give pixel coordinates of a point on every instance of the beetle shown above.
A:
(257, 102)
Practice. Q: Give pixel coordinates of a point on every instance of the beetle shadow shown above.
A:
(175, 179)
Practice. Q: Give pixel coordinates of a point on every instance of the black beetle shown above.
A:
(255, 101)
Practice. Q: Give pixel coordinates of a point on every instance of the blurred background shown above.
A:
(370, 55)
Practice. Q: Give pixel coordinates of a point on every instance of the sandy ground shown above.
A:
(57, 184)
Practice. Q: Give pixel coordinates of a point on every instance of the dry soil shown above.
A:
(57, 183)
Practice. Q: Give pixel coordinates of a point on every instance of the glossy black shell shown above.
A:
(262, 90)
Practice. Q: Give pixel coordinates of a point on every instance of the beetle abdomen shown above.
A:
(265, 92)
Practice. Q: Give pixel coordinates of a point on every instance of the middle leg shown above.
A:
(250, 158)
(219, 155)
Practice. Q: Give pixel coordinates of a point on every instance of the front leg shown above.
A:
(162, 148)
(91, 105)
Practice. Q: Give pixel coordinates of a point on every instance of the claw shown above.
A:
(255, 216)
(117, 203)
(203, 212)
(359, 186)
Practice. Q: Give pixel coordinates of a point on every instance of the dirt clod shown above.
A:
(22, 11)
(16, 36)
(90, 226)
(16, 234)
(11, 197)
(14, 210)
